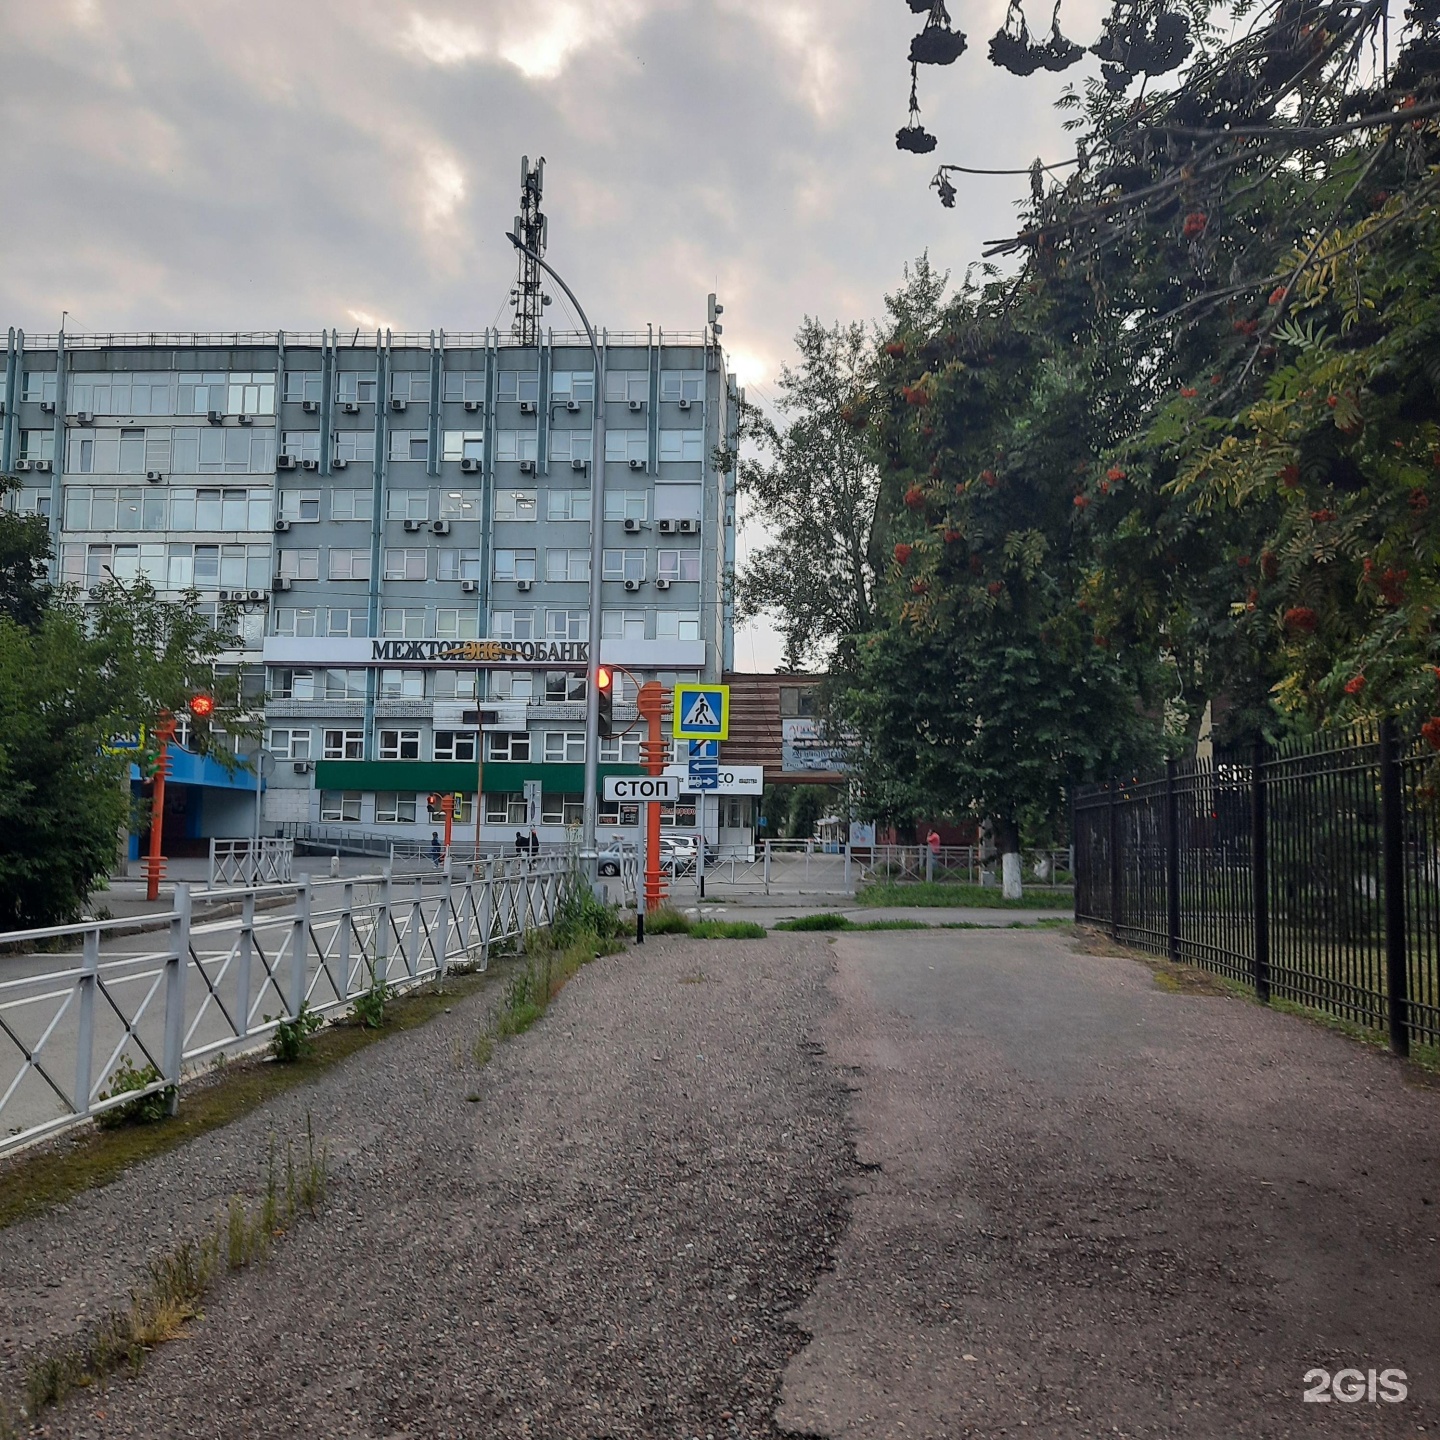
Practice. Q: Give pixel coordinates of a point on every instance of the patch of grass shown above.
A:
(176, 1283)
(37, 1180)
(971, 897)
(147, 1109)
(531, 988)
(727, 930)
(844, 922)
(667, 921)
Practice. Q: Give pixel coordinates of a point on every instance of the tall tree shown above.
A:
(811, 483)
(24, 551)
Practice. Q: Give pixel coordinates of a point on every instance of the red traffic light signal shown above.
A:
(433, 800)
(202, 706)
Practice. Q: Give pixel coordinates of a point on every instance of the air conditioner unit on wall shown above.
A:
(686, 404)
(637, 464)
(469, 587)
(282, 526)
(47, 407)
(441, 527)
(399, 405)
(309, 464)
(413, 525)
(633, 585)
(572, 407)
(84, 417)
(525, 586)
(310, 407)
(285, 462)
(350, 407)
(636, 406)
(44, 466)
(245, 419)
(689, 527)
(339, 463)
(474, 407)
(280, 583)
(21, 466)
(632, 526)
(469, 465)
(662, 583)
(304, 767)
(579, 464)
(527, 467)
(154, 477)
(665, 527)
(527, 407)
(215, 417)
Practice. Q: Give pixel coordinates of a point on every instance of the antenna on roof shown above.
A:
(533, 230)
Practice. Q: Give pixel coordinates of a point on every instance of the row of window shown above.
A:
(554, 747)
(452, 562)
(158, 392)
(419, 623)
(515, 445)
(174, 507)
(511, 503)
(169, 566)
(404, 808)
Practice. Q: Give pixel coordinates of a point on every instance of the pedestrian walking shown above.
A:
(436, 849)
(534, 844)
(933, 841)
(522, 845)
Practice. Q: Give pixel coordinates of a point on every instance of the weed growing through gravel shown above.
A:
(959, 895)
(176, 1282)
(832, 921)
(666, 921)
(669, 921)
(291, 1041)
(145, 1110)
(367, 1009)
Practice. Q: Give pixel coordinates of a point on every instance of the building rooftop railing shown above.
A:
(349, 339)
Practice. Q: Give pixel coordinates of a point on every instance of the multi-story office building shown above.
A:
(400, 527)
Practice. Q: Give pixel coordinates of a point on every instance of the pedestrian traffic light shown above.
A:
(605, 692)
(433, 800)
(202, 706)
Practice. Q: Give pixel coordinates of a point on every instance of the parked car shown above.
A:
(678, 852)
(613, 854)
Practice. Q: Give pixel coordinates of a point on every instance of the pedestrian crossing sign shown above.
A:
(702, 712)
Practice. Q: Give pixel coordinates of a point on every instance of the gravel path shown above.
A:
(1102, 1209)
(607, 1243)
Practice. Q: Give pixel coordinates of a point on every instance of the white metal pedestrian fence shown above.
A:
(248, 861)
(163, 1006)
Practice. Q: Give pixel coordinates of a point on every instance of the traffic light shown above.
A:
(605, 691)
(202, 706)
(433, 801)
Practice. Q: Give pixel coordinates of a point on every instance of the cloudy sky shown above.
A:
(256, 164)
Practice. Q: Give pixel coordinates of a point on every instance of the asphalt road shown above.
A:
(1104, 1209)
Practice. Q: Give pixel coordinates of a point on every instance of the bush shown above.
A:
(579, 911)
(667, 921)
(144, 1111)
(368, 1009)
(291, 1040)
(817, 922)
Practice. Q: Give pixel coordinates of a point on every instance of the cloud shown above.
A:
(356, 162)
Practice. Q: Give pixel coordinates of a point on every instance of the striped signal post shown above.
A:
(653, 752)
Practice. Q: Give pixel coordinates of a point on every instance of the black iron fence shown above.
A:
(1310, 873)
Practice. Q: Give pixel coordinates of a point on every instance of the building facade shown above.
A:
(398, 531)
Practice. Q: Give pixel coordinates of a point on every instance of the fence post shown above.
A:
(487, 909)
(244, 946)
(84, 1059)
(849, 877)
(929, 865)
(299, 947)
(344, 929)
(767, 867)
(1172, 861)
(176, 964)
(1114, 817)
(442, 924)
(1260, 872)
(1392, 851)
(382, 934)
(417, 922)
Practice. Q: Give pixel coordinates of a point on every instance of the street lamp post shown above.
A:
(597, 515)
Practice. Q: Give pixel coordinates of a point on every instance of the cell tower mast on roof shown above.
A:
(532, 228)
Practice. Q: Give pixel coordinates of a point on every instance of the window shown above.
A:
(464, 445)
(682, 445)
(562, 809)
(509, 564)
(403, 624)
(565, 747)
(356, 388)
(568, 505)
(231, 509)
(343, 684)
(298, 564)
(627, 504)
(567, 564)
(399, 744)
(407, 564)
(407, 505)
(200, 392)
(39, 445)
(347, 622)
(409, 444)
(567, 625)
(562, 686)
(464, 564)
(303, 385)
(411, 385)
(627, 445)
(622, 624)
(292, 684)
(299, 506)
(518, 385)
(457, 625)
(611, 812)
(677, 625)
(290, 744)
(355, 445)
(402, 684)
(514, 504)
(394, 807)
(505, 809)
(302, 444)
(516, 445)
(681, 816)
(303, 622)
(455, 745)
(340, 805)
(230, 566)
(455, 684)
(797, 700)
(251, 393)
(40, 385)
(512, 624)
(623, 565)
(625, 385)
(682, 385)
(463, 385)
(678, 564)
(621, 750)
(130, 451)
(566, 445)
(351, 504)
(460, 505)
(508, 745)
(578, 385)
(231, 450)
(30, 500)
(344, 745)
(511, 685)
(348, 564)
